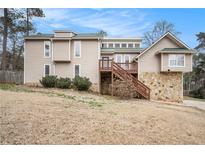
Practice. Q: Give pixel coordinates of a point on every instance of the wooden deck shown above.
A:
(124, 71)
(105, 66)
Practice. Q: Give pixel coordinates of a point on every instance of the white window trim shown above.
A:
(74, 70)
(113, 45)
(124, 58)
(75, 50)
(45, 69)
(52, 49)
(44, 52)
(121, 58)
(176, 65)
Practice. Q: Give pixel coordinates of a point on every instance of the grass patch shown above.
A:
(6, 86)
(65, 96)
(88, 100)
(94, 104)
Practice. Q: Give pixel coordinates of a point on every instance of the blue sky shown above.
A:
(123, 22)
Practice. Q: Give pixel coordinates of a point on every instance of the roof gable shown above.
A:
(171, 37)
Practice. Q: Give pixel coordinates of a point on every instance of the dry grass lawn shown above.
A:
(42, 116)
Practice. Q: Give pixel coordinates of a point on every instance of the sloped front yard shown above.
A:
(40, 116)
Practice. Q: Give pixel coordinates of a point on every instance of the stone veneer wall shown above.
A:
(164, 86)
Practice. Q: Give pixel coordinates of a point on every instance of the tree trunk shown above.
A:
(5, 35)
(27, 22)
(14, 55)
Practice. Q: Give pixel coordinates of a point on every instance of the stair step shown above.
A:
(140, 88)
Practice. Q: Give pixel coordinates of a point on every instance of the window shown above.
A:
(126, 58)
(77, 49)
(118, 59)
(126, 61)
(137, 45)
(117, 45)
(46, 69)
(104, 45)
(124, 45)
(110, 45)
(130, 45)
(77, 70)
(176, 60)
(105, 62)
(47, 48)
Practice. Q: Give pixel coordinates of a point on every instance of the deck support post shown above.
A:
(112, 77)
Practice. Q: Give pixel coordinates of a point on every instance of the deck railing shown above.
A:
(105, 65)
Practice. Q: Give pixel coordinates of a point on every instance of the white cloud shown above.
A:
(56, 25)
(116, 22)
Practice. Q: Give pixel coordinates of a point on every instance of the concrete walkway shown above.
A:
(195, 103)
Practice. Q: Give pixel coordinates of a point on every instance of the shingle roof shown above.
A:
(80, 35)
(175, 50)
(41, 35)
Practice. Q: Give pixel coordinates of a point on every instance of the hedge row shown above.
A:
(79, 83)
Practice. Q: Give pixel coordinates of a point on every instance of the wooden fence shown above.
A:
(11, 77)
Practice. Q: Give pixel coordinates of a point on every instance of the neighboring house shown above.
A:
(112, 64)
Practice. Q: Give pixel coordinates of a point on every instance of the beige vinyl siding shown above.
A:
(88, 62)
(150, 61)
(64, 34)
(35, 61)
(61, 50)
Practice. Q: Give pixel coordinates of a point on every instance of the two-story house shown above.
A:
(155, 72)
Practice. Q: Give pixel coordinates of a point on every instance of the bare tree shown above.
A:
(5, 35)
(159, 29)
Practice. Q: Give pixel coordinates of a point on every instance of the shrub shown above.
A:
(81, 83)
(49, 81)
(63, 83)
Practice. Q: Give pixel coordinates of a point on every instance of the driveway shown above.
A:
(195, 103)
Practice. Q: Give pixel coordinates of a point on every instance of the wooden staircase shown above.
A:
(138, 86)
